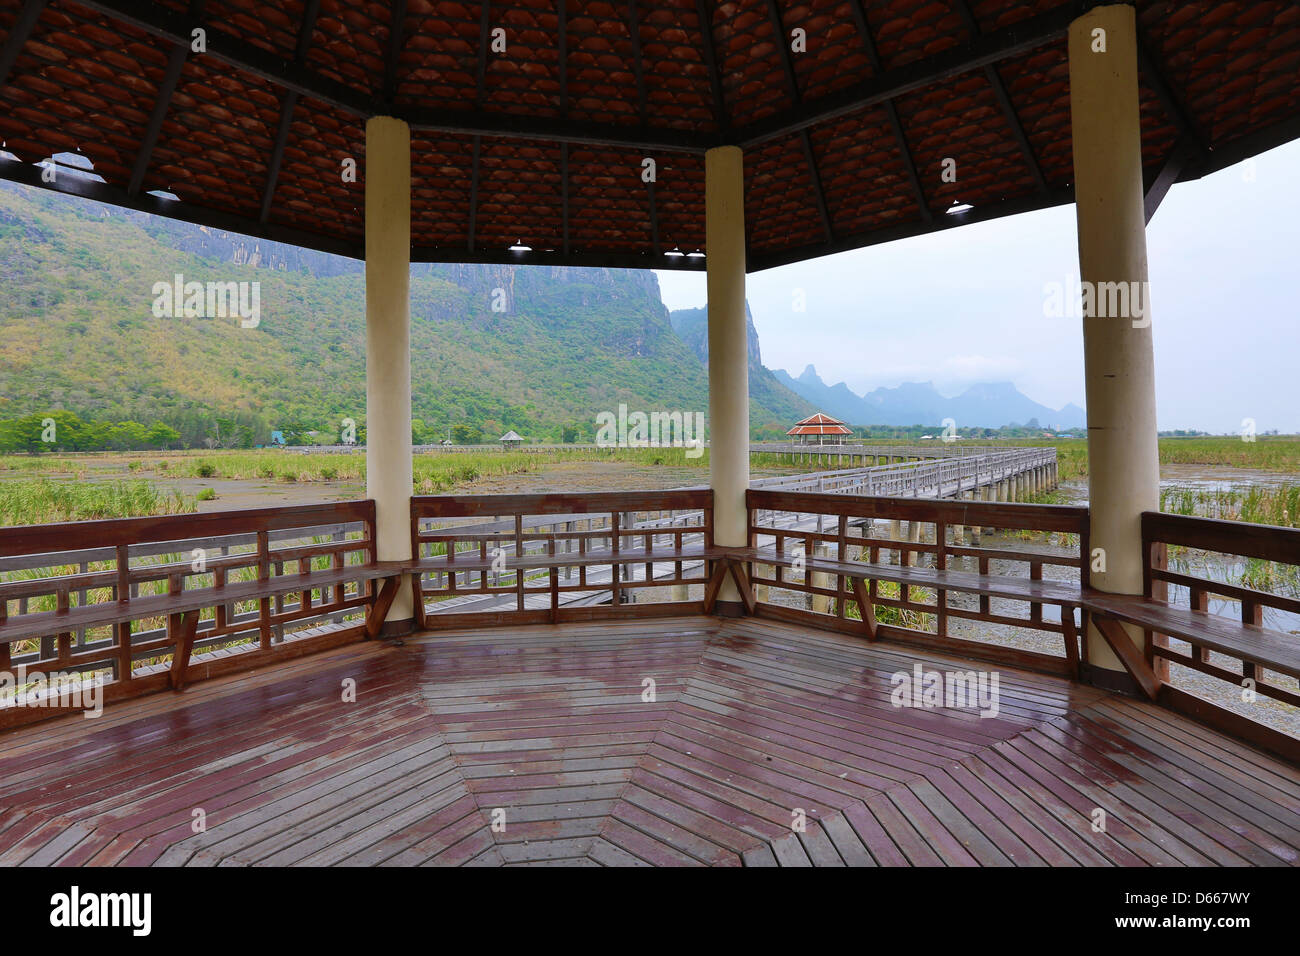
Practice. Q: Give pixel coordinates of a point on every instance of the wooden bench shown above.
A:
(1252, 644)
(1063, 594)
(111, 542)
(1245, 639)
(1256, 646)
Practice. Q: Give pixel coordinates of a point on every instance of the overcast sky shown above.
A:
(966, 305)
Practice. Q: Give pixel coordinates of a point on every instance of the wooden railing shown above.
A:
(108, 598)
(521, 558)
(1261, 554)
(96, 598)
(939, 535)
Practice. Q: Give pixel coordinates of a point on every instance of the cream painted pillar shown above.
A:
(388, 347)
(1119, 365)
(724, 213)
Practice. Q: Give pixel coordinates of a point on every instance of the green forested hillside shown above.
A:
(77, 333)
(765, 389)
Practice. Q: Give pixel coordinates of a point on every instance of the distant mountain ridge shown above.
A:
(990, 405)
(986, 405)
(765, 389)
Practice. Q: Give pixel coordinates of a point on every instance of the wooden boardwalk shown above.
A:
(545, 728)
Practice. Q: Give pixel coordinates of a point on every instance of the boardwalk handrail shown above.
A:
(947, 476)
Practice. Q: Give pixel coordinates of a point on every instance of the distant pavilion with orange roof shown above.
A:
(819, 426)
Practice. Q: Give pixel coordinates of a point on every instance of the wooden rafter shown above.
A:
(473, 194)
(634, 32)
(705, 12)
(162, 101)
(1004, 101)
(1008, 41)
(787, 56)
(819, 194)
(562, 41)
(18, 34)
(1179, 159)
(395, 41)
(1012, 40)
(310, 11)
(891, 111)
(654, 219)
(1173, 104)
(564, 196)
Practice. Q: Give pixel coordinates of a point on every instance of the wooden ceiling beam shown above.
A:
(1013, 40)
(564, 197)
(787, 55)
(473, 194)
(1183, 155)
(18, 34)
(891, 111)
(1004, 101)
(1154, 74)
(1025, 35)
(162, 101)
(287, 103)
(705, 13)
(395, 42)
(819, 194)
(634, 31)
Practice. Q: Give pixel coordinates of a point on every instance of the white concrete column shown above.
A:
(724, 213)
(388, 346)
(1119, 365)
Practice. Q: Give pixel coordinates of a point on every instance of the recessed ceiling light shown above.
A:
(958, 207)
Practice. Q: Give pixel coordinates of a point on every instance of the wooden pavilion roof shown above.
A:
(543, 145)
(820, 424)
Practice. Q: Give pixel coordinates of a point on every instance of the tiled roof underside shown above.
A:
(1219, 77)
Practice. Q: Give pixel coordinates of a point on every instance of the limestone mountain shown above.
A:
(538, 350)
(692, 327)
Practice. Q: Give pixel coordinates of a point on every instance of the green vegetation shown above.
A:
(1275, 505)
(43, 501)
(61, 431)
(1272, 453)
(571, 343)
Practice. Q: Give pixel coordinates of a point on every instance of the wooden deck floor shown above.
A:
(752, 721)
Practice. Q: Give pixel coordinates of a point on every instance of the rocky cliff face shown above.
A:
(692, 326)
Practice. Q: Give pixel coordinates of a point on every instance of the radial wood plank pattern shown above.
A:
(550, 733)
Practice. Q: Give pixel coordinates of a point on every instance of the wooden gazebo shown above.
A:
(728, 137)
(819, 426)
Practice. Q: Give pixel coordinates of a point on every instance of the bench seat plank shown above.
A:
(1014, 588)
(45, 623)
(1275, 650)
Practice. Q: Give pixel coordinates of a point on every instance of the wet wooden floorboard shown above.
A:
(543, 746)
